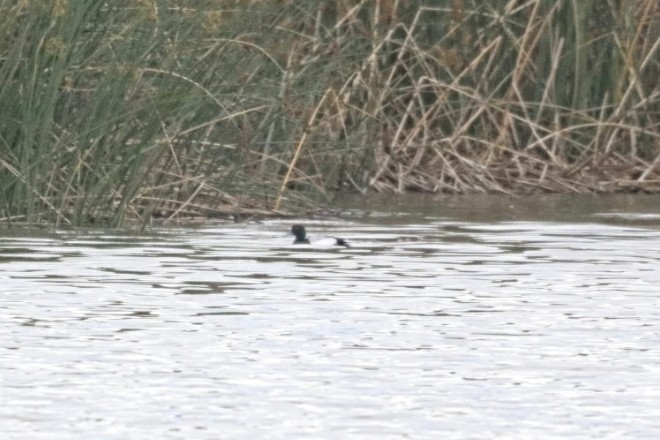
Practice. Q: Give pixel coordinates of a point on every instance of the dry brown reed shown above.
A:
(509, 105)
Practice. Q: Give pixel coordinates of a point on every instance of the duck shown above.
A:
(301, 237)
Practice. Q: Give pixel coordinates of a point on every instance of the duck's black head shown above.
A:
(300, 233)
(342, 242)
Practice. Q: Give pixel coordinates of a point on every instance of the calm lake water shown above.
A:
(466, 318)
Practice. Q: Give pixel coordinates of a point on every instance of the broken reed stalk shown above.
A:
(298, 150)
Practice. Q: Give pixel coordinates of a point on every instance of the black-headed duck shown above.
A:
(301, 237)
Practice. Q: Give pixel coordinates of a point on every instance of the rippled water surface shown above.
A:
(431, 326)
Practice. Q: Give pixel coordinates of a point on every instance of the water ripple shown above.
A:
(443, 329)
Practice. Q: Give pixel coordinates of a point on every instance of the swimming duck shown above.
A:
(301, 237)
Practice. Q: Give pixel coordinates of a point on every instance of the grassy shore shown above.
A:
(132, 110)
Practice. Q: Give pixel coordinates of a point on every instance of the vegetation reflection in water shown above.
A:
(440, 327)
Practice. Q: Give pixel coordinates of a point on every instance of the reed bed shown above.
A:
(135, 110)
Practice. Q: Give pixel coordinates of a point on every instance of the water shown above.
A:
(475, 320)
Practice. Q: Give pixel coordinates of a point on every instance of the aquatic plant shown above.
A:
(145, 109)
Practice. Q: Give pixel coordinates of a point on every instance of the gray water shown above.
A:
(471, 320)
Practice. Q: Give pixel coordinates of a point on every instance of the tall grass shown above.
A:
(130, 110)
